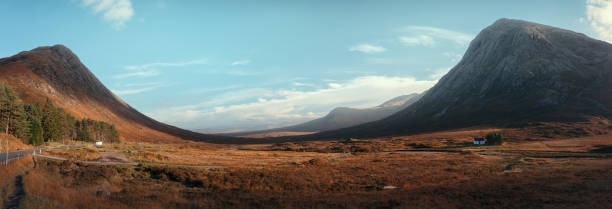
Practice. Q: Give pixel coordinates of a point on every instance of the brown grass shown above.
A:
(515, 175)
(85, 153)
(14, 143)
(423, 180)
(202, 154)
(8, 173)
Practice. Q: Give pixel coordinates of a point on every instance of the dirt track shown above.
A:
(114, 158)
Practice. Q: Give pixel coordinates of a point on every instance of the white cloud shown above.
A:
(133, 91)
(209, 90)
(241, 62)
(141, 73)
(367, 48)
(599, 14)
(439, 73)
(115, 11)
(263, 108)
(166, 64)
(455, 57)
(420, 40)
(143, 88)
(295, 83)
(152, 69)
(440, 33)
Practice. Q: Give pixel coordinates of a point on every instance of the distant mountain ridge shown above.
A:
(55, 72)
(513, 72)
(343, 117)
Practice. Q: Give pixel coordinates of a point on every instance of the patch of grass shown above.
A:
(8, 173)
(85, 153)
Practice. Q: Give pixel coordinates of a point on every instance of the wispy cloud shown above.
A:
(209, 90)
(389, 60)
(599, 14)
(439, 33)
(133, 91)
(439, 73)
(140, 87)
(262, 108)
(367, 48)
(241, 62)
(455, 57)
(118, 12)
(419, 40)
(152, 69)
(140, 73)
(295, 83)
(166, 64)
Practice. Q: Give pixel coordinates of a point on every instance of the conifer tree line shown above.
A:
(35, 125)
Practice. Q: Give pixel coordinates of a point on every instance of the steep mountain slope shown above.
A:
(56, 73)
(343, 117)
(513, 72)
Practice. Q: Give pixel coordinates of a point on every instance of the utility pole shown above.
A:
(7, 152)
(8, 116)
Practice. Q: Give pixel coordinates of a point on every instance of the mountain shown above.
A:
(514, 72)
(58, 74)
(340, 117)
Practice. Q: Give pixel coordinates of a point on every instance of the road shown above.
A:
(21, 153)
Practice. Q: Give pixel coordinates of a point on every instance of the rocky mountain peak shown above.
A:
(510, 54)
(512, 72)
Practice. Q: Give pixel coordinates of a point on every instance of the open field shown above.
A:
(437, 170)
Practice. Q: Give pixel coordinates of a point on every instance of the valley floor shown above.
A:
(439, 170)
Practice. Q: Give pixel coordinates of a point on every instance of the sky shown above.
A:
(218, 66)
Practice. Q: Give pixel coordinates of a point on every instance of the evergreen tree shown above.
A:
(36, 133)
(114, 134)
(33, 111)
(13, 118)
(35, 124)
(20, 126)
(51, 122)
(70, 128)
(84, 130)
(494, 139)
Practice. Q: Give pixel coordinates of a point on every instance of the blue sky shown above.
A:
(240, 65)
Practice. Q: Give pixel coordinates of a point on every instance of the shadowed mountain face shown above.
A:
(513, 72)
(343, 117)
(56, 73)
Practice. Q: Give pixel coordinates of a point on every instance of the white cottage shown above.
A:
(98, 143)
(479, 140)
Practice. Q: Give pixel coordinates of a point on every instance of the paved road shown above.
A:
(22, 153)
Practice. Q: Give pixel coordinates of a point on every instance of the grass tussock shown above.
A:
(85, 153)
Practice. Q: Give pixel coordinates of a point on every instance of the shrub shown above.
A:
(494, 139)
